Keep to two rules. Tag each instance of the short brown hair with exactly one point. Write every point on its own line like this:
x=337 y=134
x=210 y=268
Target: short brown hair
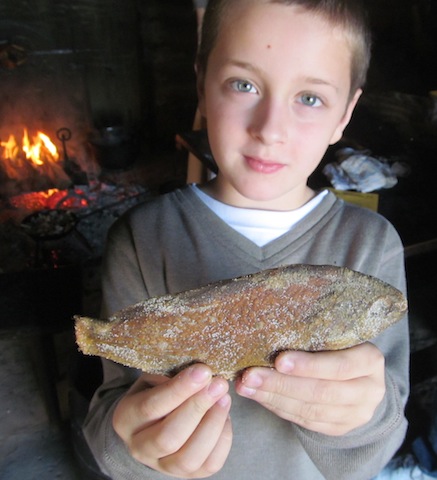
x=349 y=15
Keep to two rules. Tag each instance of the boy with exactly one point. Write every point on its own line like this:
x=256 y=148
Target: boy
x=278 y=81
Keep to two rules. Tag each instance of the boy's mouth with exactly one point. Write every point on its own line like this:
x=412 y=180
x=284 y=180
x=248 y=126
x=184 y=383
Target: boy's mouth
x=263 y=166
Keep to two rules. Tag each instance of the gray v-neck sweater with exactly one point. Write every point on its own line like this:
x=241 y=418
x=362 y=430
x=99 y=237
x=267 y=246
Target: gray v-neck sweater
x=174 y=243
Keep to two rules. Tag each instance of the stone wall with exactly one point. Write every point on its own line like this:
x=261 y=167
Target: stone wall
x=132 y=60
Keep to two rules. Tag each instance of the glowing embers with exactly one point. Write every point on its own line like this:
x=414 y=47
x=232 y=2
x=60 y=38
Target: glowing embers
x=74 y=198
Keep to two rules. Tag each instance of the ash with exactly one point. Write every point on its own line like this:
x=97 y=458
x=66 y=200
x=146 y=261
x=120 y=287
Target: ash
x=106 y=204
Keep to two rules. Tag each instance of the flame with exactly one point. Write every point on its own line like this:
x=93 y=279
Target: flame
x=41 y=147
x=11 y=147
x=12 y=162
x=37 y=150
x=34 y=163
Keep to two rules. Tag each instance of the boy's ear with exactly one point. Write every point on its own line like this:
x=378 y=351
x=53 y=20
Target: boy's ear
x=338 y=133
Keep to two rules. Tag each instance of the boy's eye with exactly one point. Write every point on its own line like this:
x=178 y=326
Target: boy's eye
x=310 y=100
x=243 y=86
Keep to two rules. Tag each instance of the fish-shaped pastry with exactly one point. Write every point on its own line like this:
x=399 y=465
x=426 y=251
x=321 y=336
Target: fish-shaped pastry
x=246 y=321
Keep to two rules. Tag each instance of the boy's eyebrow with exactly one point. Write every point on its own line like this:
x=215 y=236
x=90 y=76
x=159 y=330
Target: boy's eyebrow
x=244 y=65
x=320 y=81
x=255 y=69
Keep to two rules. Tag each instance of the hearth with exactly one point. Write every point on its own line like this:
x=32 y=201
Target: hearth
x=54 y=205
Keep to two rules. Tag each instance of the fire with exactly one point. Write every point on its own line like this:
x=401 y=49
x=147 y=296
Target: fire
x=31 y=163
x=11 y=147
x=37 y=150
x=12 y=161
x=50 y=199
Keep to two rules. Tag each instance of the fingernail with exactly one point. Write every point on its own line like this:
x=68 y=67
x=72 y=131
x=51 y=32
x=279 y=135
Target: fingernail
x=224 y=401
x=286 y=364
x=247 y=392
x=199 y=374
x=252 y=380
x=216 y=388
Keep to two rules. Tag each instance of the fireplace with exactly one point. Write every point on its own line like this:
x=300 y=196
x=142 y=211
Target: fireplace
x=69 y=128
x=92 y=95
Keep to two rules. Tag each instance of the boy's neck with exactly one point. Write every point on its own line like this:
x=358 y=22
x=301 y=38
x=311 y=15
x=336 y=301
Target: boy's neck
x=293 y=201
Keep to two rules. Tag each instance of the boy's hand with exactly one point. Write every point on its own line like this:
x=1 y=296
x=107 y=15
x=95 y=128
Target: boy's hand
x=178 y=426
x=327 y=392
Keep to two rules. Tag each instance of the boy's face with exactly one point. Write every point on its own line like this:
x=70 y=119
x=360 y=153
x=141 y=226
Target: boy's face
x=275 y=95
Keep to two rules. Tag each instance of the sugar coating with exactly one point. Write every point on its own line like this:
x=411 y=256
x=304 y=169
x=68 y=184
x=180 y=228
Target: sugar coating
x=243 y=322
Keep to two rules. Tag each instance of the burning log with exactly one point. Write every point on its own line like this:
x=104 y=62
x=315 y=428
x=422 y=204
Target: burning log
x=34 y=165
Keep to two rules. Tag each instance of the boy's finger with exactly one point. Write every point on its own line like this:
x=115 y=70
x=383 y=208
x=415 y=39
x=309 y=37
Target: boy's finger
x=355 y=362
x=208 y=446
x=143 y=405
x=146 y=381
x=164 y=398
x=166 y=437
x=278 y=390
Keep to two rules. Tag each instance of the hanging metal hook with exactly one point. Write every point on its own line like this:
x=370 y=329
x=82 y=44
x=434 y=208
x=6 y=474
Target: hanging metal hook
x=64 y=135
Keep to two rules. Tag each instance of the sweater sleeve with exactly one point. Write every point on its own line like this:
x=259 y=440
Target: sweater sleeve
x=110 y=452
x=367 y=449
x=363 y=452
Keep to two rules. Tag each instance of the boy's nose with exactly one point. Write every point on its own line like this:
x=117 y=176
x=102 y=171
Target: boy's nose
x=270 y=122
